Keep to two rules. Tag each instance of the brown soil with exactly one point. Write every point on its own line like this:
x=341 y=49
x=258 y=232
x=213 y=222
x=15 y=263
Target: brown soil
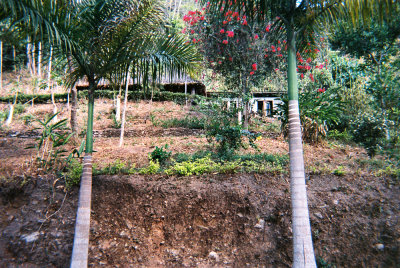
x=142 y=221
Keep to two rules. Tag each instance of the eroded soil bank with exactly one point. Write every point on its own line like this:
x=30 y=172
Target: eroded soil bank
x=240 y=220
x=218 y=220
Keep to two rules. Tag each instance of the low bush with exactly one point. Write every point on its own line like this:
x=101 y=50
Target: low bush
x=151 y=169
x=160 y=154
x=370 y=130
x=117 y=167
x=73 y=173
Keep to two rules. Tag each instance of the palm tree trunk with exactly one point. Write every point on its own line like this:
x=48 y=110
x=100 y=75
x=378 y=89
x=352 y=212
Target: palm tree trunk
x=49 y=67
x=89 y=132
x=121 y=137
x=11 y=112
x=303 y=251
x=15 y=59
x=74 y=104
x=29 y=56
x=39 y=63
x=33 y=57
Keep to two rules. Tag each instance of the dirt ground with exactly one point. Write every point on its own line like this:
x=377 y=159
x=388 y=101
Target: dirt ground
x=233 y=220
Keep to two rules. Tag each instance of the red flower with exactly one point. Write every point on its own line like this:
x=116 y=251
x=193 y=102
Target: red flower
x=183 y=30
x=265 y=56
x=308 y=60
x=280 y=55
x=312 y=77
x=192 y=31
x=219 y=62
x=276 y=69
x=225 y=42
x=202 y=18
x=302 y=76
x=222 y=31
x=224 y=22
x=244 y=22
x=194 y=40
x=230 y=33
x=268 y=28
x=251 y=73
x=230 y=59
x=254 y=66
x=321 y=90
x=279 y=49
x=235 y=14
x=273 y=47
x=256 y=36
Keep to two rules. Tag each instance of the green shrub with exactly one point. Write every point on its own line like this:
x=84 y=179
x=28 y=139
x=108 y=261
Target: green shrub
x=19 y=108
x=160 y=154
x=117 y=167
x=197 y=167
x=318 y=112
x=73 y=173
x=343 y=136
x=151 y=169
x=369 y=130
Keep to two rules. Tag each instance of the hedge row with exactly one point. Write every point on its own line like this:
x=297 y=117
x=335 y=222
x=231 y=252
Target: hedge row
x=179 y=98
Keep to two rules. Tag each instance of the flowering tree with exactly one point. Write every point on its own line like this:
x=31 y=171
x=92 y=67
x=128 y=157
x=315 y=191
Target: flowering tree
x=243 y=54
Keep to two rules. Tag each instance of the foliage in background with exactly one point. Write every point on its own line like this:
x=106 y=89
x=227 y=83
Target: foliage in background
x=222 y=127
x=369 y=130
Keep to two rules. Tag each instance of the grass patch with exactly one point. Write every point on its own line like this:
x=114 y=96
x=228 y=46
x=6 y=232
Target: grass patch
x=186 y=122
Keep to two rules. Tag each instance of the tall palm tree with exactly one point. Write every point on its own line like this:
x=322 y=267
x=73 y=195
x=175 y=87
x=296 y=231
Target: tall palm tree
x=293 y=18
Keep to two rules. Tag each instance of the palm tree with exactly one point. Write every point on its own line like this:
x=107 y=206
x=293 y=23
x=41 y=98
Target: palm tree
x=293 y=18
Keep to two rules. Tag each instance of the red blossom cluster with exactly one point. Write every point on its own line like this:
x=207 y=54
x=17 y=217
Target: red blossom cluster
x=193 y=17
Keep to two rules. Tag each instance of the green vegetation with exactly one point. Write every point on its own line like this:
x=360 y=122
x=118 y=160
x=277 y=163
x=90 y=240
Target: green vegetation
x=186 y=122
x=50 y=145
x=160 y=154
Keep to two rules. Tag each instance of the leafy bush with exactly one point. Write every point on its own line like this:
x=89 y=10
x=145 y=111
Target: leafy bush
x=117 y=167
x=222 y=127
x=151 y=169
x=160 y=154
x=369 y=130
x=19 y=108
x=196 y=165
x=319 y=110
x=73 y=173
